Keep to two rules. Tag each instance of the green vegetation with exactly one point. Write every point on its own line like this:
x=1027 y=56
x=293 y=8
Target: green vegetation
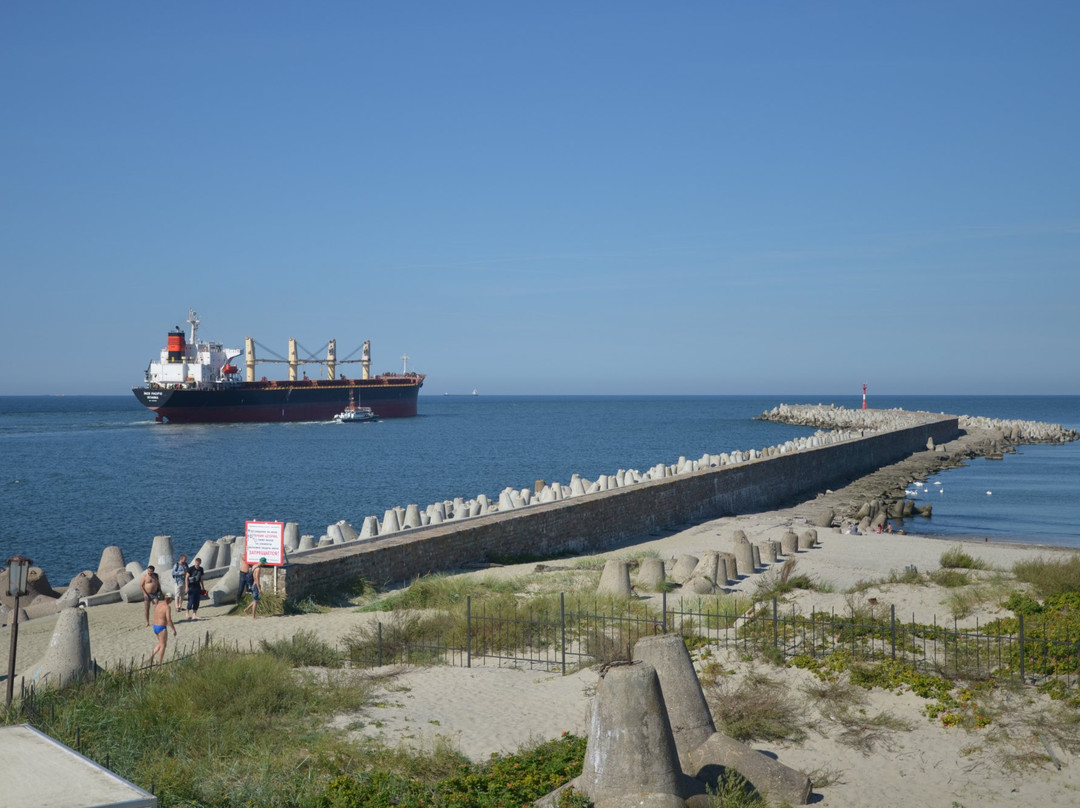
x=952 y=703
x=776 y=583
x=844 y=704
x=502 y=781
x=1050 y=578
x=909 y=575
x=304 y=649
x=209 y=730
x=224 y=729
x=950 y=577
x=759 y=708
x=955 y=558
x=445 y=592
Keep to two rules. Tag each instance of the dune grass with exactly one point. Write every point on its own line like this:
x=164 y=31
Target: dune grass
x=1049 y=577
x=757 y=708
x=226 y=729
x=210 y=729
x=955 y=558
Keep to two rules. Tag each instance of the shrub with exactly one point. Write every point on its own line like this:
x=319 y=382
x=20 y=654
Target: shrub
x=955 y=558
x=304 y=649
x=950 y=577
x=400 y=637
x=758 y=708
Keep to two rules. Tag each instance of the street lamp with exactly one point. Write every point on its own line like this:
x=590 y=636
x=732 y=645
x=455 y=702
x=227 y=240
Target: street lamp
x=18 y=576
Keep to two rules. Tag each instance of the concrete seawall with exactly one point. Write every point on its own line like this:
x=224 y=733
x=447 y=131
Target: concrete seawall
x=594 y=522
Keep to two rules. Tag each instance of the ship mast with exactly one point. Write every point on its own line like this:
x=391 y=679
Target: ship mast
x=194 y=320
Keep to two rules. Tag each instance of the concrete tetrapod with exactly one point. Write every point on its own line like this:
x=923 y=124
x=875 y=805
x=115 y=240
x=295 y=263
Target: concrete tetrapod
x=226 y=588
x=697 y=742
x=292 y=536
x=684 y=568
x=630 y=756
x=68 y=656
x=744 y=556
x=615 y=579
x=208 y=553
x=650 y=575
x=161 y=555
x=112 y=559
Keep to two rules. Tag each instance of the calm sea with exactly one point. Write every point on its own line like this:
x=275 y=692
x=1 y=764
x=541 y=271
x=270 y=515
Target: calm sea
x=79 y=473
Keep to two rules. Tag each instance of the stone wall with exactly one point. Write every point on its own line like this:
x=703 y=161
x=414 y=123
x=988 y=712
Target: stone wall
x=594 y=522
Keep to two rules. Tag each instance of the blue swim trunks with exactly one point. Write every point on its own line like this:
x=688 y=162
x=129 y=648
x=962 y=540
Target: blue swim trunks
x=158 y=629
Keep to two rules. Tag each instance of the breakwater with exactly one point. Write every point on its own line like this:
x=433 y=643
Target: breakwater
x=599 y=517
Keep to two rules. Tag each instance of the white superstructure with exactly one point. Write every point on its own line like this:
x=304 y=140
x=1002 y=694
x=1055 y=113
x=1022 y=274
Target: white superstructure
x=191 y=364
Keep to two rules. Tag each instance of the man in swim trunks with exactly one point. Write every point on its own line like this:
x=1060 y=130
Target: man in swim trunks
x=256 y=587
x=151 y=591
x=162 y=623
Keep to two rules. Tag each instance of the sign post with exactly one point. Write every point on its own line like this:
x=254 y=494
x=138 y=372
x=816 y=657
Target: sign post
x=265 y=540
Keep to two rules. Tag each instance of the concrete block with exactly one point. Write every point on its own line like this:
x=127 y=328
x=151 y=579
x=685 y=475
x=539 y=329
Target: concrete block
x=615 y=579
x=161 y=555
x=630 y=751
x=650 y=575
x=684 y=568
x=67 y=658
x=112 y=559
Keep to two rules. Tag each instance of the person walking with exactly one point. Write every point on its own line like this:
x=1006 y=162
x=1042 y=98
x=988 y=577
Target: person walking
x=179 y=576
x=151 y=589
x=194 y=588
x=245 y=578
x=256 y=587
x=162 y=623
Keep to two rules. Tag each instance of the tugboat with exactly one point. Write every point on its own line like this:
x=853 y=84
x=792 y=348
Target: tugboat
x=355 y=415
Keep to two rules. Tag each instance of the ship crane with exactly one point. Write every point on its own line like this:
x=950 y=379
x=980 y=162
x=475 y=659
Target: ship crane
x=294 y=361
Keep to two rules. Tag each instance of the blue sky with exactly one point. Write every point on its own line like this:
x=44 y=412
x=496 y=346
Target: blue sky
x=631 y=197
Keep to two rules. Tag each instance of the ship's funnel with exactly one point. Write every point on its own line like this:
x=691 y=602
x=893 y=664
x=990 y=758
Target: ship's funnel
x=176 y=346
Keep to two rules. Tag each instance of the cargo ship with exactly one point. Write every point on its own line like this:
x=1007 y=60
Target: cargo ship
x=198 y=383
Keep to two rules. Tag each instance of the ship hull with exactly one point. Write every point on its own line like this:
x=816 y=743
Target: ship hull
x=269 y=402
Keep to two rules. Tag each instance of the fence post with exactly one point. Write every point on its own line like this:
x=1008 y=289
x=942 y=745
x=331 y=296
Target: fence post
x=562 y=630
x=1023 y=649
x=892 y=628
x=775 y=634
x=468 y=631
x=663 y=612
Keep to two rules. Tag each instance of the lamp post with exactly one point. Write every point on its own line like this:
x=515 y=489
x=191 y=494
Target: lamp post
x=18 y=575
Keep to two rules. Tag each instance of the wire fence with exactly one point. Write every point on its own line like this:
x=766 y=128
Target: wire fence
x=568 y=634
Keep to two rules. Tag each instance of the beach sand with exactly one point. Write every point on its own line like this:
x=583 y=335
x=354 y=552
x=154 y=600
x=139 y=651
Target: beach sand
x=490 y=709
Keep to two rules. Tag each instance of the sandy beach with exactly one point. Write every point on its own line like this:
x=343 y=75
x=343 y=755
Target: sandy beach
x=489 y=709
